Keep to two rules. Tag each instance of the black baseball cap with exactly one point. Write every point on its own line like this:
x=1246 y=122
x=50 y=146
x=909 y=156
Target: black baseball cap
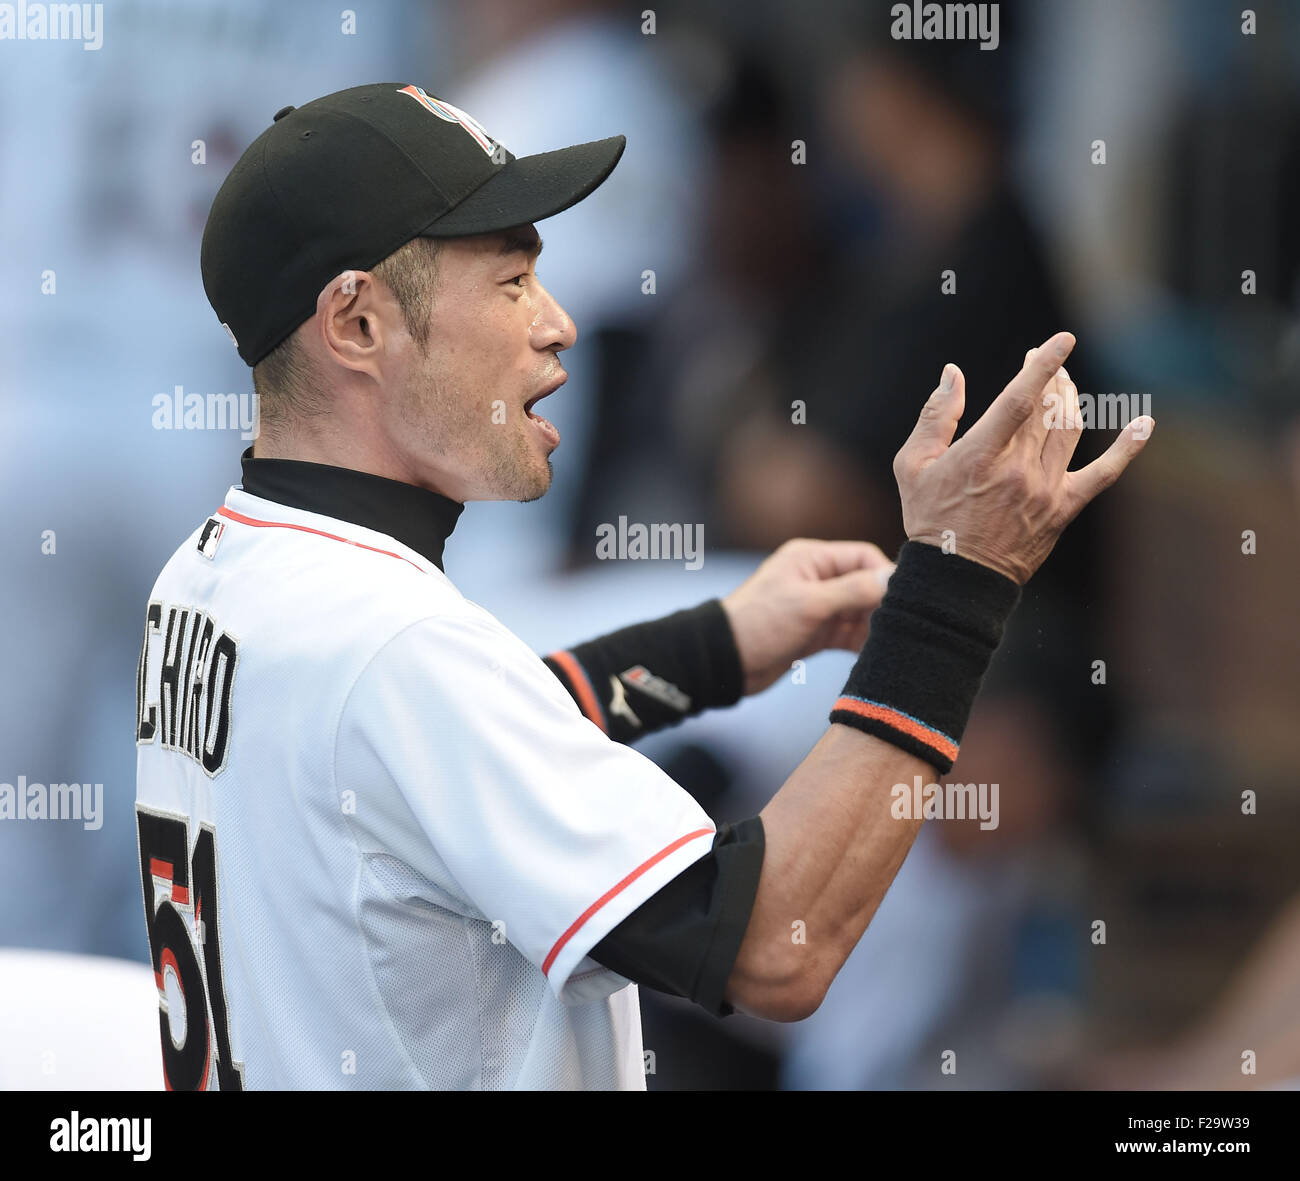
x=343 y=181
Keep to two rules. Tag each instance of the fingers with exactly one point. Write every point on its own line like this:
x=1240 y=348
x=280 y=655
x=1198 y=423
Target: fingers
x=1020 y=404
x=860 y=590
x=937 y=424
x=1064 y=424
x=833 y=558
x=851 y=632
x=1102 y=472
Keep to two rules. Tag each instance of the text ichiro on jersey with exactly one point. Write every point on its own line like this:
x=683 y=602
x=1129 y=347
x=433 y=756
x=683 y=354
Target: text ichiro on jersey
x=182 y=697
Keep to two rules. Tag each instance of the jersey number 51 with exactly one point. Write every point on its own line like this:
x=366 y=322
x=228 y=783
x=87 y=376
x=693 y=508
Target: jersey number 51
x=180 y=905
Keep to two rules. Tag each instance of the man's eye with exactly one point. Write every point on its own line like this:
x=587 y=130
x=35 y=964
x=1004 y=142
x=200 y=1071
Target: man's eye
x=518 y=280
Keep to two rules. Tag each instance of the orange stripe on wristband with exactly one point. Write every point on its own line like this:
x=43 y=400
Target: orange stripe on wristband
x=897 y=720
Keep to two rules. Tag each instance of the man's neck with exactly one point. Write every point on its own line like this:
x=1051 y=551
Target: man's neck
x=357 y=451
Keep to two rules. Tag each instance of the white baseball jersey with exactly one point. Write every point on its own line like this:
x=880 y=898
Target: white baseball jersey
x=378 y=839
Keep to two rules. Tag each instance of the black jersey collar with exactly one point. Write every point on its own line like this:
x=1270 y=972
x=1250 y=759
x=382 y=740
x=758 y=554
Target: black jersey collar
x=417 y=517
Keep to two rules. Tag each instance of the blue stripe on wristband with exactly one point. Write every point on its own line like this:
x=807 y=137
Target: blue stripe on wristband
x=897 y=720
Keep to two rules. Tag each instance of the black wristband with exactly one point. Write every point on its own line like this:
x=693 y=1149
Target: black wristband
x=930 y=644
x=643 y=678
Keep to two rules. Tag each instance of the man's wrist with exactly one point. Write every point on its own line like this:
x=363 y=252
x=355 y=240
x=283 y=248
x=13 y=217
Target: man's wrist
x=739 y=618
x=931 y=642
x=641 y=678
x=1000 y=566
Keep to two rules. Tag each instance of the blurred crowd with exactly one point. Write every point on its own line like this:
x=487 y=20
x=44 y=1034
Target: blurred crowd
x=810 y=219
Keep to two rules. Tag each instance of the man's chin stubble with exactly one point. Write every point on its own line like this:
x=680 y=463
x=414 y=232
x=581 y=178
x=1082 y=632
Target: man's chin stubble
x=545 y=488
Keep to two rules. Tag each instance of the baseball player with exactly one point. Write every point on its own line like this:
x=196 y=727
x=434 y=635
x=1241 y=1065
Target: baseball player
x=382 y=843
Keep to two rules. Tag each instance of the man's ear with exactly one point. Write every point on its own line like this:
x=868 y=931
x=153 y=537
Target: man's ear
x=354 y=321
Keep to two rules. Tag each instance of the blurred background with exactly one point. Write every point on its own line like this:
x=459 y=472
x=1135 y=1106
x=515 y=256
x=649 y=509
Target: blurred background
x=810 y=219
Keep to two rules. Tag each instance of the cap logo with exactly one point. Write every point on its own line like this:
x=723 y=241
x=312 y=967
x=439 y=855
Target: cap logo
x=450 y=114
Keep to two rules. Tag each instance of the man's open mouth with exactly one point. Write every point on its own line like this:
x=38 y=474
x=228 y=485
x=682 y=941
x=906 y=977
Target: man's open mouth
x=550 y=389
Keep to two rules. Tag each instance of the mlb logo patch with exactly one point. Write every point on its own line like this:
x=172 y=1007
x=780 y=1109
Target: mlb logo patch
x=210 y=538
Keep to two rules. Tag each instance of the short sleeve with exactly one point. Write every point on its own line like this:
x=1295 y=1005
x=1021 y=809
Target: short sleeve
x=524 y=809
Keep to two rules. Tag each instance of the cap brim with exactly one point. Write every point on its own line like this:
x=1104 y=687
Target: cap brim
x=530 y=188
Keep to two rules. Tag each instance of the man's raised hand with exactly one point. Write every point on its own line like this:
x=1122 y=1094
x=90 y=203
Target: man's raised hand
x=1001 y=495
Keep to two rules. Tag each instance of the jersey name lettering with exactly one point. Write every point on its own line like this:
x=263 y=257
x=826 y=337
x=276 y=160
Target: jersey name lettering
x=183 y=695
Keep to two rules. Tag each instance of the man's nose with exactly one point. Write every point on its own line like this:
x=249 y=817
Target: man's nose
x=553 y=329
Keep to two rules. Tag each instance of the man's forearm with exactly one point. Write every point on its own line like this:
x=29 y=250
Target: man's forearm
x=833 y=842
x=832 y=849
